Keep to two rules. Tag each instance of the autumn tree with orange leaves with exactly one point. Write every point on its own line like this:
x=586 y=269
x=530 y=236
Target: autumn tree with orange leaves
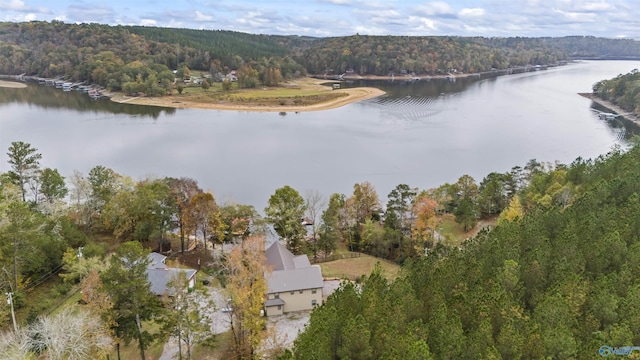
x=424 y=228
x=204 y=218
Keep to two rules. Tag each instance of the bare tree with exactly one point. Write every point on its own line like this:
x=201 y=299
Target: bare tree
x=315 y=203
x=70 y=335
x=79 y=196
x=15 y=346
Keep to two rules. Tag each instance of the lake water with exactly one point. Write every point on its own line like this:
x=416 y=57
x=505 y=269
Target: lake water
x=422 y=133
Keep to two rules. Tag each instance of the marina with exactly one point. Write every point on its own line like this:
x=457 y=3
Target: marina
x=93 y=91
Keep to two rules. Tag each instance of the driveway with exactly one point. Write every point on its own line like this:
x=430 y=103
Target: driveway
x=285 y=327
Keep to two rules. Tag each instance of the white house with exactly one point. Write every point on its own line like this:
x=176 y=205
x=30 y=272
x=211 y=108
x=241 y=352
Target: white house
x=294 y=284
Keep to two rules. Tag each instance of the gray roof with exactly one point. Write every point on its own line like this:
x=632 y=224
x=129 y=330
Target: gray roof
x=156 y=261
x=159 y=278
x=291 y=273
x=159 y=274
x=293 y=280
x=301 y=261
x=279 y=257
x=274 y=302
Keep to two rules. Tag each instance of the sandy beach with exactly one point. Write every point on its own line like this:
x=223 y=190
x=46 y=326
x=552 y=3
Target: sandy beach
x=12 y=84
x=182 y=102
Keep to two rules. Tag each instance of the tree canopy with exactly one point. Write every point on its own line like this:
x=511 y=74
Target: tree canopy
x=554 y=279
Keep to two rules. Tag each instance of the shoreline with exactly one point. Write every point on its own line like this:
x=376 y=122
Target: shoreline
x=183 y=102
x=440 y=76
x=613 y=107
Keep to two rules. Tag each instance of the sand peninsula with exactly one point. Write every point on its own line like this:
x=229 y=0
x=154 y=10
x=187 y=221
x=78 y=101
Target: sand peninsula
x=261 y=99
x=12 y=84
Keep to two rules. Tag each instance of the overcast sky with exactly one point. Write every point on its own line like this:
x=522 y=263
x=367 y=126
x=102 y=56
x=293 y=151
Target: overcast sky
x=608 y=18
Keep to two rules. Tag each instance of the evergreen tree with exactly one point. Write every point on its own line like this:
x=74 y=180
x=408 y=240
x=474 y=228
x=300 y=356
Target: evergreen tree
x=126 y=283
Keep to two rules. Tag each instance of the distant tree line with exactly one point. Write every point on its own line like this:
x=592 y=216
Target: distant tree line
x=137 y=59
x=119 y=59
x=380 y=55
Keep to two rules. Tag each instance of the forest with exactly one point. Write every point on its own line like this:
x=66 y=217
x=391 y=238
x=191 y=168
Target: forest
x=558 y=281
x=143 y=59
x=623 y=90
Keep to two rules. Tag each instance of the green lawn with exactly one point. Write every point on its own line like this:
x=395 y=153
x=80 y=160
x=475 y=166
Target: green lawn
x=131 y=351
x=306 y=94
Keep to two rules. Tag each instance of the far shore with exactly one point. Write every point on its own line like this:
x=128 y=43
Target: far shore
x=12 y=84
x=613 y=107
x=182 y=101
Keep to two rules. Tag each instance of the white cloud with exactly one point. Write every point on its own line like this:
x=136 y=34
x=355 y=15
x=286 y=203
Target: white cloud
x=474 y=12
x=256 y=22
x=148 y=22
x=175 y=24
x=28 y=17
x=423 y=23
x=577 y=16
x=435 y=8
x=203 y=17
x=597 y=6
x=13 y=5
x=336 y=2
x=343 y=17
x=369 y=30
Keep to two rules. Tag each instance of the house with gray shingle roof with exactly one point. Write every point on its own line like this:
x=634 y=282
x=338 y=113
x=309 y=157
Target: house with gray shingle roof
x=294 y=284
x=159 y=274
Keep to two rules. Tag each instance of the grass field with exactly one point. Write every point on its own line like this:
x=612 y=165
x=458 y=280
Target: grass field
x=262 y=96
x=352 y=268
x=132 y=351
x=455 y=234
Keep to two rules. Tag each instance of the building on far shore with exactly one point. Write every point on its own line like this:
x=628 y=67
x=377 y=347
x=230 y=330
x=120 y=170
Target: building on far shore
x=294 y=284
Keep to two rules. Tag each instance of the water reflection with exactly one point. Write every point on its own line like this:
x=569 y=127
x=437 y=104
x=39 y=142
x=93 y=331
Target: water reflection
x=418 y=88
x=51 y=98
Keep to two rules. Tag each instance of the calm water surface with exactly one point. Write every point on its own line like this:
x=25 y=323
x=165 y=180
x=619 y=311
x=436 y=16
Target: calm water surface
x=422 y=133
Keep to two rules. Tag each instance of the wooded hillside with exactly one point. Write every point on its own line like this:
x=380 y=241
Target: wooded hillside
x=623 y=90
x=104 y=54
x=559 y=282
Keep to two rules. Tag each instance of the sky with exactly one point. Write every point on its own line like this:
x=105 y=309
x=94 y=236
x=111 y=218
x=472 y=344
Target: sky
x=324 y=18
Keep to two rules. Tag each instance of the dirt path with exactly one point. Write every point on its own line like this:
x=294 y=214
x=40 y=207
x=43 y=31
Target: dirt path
x=490 y=222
